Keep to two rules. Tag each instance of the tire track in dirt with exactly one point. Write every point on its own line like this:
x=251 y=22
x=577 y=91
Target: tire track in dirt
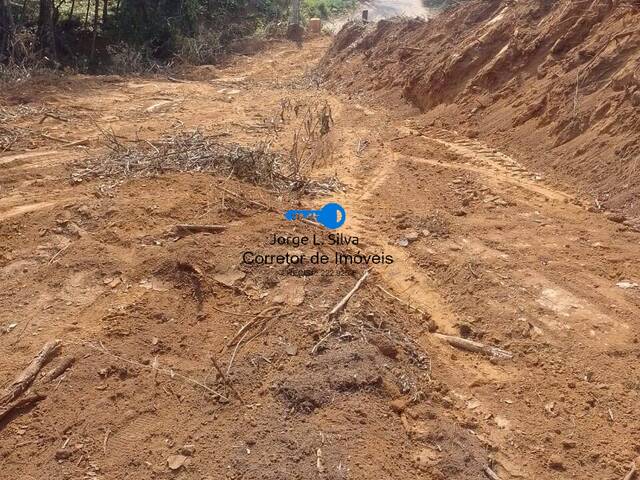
x=410 y=282
x=403 y=277
x=482 y=159
x=27 y=208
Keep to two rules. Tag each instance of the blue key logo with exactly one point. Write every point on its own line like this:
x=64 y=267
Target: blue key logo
x=331 y=216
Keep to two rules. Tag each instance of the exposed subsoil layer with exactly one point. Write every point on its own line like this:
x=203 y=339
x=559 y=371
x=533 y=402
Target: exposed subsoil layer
x=483 y=249
x=555 y=82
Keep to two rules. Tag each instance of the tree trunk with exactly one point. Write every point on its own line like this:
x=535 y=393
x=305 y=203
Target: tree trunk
x=46 y=33
x=86 y=16
x=105 y=13
x=6 y=30
x=96 y=16
x=73 y=6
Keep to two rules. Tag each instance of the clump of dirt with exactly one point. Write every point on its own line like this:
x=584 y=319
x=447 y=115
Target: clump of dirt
x=556 y=82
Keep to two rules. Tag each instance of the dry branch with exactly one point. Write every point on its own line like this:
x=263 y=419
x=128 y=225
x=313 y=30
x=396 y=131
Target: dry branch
x=188 y=229
x=20 y=403
x=490 y=473
x=59 y=370
x=475 y=347
x=342 y=303
x=23 y=381
x=399 y=300
x=193 y=151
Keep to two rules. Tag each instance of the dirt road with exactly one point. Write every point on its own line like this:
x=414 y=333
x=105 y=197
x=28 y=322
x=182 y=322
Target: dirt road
x=381 y=9
x=483 y=249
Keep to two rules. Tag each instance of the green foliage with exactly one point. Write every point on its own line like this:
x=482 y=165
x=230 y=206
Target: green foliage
x=326 y=8
x=131 y=33
x=166 y=25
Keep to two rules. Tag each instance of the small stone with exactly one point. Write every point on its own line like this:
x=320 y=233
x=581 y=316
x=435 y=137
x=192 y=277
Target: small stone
x=556 y=463
x=566 y=443
x=291 y=350
x=175 y=462
x=84 y=210
x=188 y=450
x=460 y=213
x=412 y=236
x=615 y=217
x=63 y=453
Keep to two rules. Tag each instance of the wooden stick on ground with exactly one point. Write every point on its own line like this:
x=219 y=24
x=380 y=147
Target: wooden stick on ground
x=20 y=403
x=634 y=470
x=23 y=381
x=475 y=347
x=342 y=303
x=402 y=301
x=490 y=473
x=59 y=370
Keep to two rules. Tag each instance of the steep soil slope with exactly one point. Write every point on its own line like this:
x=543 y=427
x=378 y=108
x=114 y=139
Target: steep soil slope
x=557 y=82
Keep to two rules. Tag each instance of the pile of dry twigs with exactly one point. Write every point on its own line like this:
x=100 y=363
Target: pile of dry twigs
x=193 y=151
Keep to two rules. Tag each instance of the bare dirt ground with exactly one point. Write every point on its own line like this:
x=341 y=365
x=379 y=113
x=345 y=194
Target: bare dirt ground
x=483 y=250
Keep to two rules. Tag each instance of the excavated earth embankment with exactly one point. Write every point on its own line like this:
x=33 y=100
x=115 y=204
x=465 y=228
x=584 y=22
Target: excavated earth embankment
x=555 y=82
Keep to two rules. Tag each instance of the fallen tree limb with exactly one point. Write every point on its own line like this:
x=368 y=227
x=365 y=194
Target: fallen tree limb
x=20 y=403
x=475 y=347
x=23 y=381
x=342 y=303
x=59 y=370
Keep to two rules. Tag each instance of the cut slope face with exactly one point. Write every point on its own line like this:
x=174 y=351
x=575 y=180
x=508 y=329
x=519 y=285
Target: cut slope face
x=556 y=79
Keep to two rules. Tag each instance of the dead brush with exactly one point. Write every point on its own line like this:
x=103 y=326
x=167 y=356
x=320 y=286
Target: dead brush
x=311 y=143
x=9 y=137
x=193 y=151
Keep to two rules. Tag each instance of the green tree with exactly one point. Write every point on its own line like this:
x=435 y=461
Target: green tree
x=6 y=29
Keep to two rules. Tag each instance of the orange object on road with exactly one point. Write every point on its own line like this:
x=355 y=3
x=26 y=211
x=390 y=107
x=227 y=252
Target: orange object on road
x=315 y=25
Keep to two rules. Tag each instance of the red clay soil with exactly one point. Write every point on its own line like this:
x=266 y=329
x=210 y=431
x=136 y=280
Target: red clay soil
x=556 y=82
x=191 y=364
